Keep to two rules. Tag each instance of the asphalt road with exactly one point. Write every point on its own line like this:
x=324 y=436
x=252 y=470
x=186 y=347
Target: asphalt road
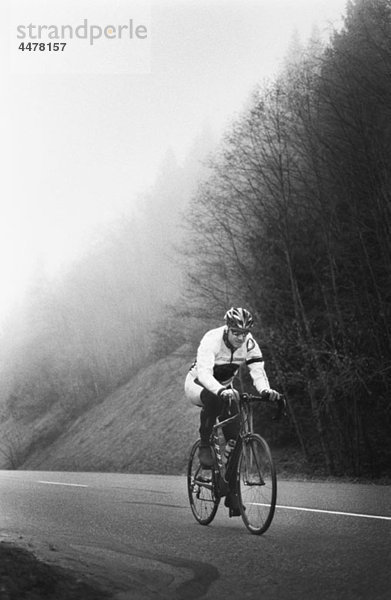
x=136 y=533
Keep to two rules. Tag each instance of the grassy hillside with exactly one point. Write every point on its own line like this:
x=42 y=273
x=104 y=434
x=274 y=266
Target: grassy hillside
x=145 y=426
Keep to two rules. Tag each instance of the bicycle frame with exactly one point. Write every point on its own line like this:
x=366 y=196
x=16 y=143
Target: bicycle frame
x=245 y=415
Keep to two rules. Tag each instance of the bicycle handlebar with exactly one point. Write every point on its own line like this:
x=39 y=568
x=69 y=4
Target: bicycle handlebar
x=264 y=397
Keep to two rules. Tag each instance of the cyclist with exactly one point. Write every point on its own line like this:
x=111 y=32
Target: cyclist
x=208 y=384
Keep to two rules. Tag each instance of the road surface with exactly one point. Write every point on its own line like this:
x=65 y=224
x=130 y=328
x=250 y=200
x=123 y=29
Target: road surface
x=136 y=534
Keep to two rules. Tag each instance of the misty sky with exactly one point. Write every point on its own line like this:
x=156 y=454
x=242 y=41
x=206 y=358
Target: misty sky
x=78 y=149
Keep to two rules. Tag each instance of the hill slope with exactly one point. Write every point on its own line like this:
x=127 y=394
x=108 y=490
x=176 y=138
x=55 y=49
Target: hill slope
x=145 y=426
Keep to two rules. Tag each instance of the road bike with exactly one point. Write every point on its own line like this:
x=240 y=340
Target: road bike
x=249 y=473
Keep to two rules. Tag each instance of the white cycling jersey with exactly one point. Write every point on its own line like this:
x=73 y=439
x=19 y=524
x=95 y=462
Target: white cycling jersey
x=218 y=362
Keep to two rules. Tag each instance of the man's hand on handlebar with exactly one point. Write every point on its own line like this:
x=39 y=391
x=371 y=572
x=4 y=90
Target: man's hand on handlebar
x=272 y=395
x=228 y=395
x=277 y=399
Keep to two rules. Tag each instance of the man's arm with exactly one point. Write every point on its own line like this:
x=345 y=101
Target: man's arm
x=256 y=367
x=206 y=355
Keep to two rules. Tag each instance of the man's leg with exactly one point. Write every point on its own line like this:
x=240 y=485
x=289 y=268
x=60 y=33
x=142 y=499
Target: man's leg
x=211 y=409
x=231 y=432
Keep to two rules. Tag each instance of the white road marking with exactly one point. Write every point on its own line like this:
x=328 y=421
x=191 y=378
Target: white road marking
x=334 y=512
x=61 y=483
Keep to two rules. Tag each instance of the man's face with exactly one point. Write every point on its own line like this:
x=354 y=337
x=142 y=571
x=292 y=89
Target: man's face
x=237 y=337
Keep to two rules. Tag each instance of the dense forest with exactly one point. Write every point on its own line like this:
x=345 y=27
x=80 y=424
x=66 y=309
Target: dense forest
x=291 y=219
x=294 y=223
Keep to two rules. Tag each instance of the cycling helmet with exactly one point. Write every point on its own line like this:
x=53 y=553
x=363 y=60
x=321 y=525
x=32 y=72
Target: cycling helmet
x=239 y=318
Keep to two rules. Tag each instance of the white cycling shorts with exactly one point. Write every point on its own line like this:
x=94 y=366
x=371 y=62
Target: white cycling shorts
x=193 y=391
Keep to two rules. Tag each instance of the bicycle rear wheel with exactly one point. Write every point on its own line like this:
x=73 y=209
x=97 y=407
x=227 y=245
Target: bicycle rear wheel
x=202 y=488
x=256 y=484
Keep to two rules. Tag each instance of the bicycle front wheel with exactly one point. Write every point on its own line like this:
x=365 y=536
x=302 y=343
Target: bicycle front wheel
x=202 y=488
x=256 y=484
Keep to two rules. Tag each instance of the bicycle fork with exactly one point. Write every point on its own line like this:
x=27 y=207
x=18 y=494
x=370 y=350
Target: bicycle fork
x=252 y=468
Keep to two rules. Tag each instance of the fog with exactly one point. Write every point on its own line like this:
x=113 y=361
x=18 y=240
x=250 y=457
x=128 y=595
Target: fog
x=80 y=150
x=98 y=172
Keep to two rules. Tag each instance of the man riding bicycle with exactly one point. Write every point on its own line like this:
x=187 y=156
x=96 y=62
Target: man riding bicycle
x=208 y=384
